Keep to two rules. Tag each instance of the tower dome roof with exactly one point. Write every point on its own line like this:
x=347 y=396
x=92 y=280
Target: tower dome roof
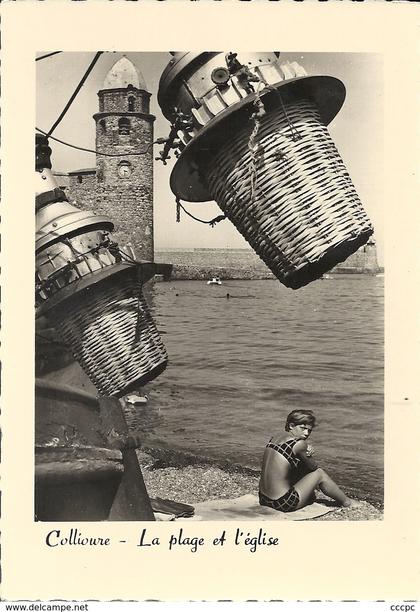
x=122 y=74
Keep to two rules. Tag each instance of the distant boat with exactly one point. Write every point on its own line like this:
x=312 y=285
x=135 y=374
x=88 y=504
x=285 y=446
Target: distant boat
x=214 y=281
x=136 y=399
x=326 y=276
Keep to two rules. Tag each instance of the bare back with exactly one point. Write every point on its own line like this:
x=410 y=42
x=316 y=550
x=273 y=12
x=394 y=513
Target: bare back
x=279 y=463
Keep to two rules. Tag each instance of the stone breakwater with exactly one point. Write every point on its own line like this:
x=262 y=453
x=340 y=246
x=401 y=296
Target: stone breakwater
x=203 y=264
x=207 y=272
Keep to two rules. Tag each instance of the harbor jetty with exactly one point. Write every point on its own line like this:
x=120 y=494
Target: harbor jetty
x=244 y=264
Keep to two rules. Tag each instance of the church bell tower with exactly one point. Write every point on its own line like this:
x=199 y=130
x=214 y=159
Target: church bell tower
x=124 y=130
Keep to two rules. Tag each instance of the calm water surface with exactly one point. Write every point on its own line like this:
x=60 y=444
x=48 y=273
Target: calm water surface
x=239 y=365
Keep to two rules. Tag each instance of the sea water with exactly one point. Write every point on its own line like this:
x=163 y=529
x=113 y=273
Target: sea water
x=244 y=354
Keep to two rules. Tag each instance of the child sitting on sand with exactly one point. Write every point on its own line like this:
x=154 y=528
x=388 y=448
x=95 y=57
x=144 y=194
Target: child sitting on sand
x=289 y=475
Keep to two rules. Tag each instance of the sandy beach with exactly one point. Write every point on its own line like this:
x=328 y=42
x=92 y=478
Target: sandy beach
x=202 y=482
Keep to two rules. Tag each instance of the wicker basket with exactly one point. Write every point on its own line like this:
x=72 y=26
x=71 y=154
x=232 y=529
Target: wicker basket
x=112 y=335
x=286 y=189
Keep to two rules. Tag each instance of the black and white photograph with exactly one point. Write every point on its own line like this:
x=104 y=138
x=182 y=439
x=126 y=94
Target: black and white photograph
x=209 y=286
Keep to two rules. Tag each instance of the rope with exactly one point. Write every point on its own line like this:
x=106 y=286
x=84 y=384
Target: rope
x=212 y=222
x=121 y=255
x=294 y=132
x=76 y=91
x=253 y=146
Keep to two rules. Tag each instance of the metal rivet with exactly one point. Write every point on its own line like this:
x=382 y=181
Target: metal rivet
x=54 y=224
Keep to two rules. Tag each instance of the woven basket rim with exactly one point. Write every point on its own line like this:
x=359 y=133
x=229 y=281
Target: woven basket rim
x=327 y=92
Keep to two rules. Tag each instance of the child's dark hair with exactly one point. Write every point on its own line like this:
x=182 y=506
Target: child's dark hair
x=299 y=417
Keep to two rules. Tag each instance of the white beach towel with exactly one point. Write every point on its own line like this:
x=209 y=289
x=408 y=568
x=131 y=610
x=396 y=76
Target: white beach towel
x=247 y=508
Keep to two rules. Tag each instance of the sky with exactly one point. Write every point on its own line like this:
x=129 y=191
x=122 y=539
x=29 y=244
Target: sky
x=357 y=131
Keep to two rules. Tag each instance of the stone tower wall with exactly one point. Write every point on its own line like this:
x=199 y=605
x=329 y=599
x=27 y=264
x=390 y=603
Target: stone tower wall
x=117 y=100
x=132 y=216
x=128 y=200
x=82 y=194
x=365 y=259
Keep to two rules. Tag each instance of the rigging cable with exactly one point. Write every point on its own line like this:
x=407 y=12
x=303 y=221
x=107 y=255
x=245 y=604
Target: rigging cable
x=76 y=91
x=41 y=57
x=212 y=222
x=67 y=144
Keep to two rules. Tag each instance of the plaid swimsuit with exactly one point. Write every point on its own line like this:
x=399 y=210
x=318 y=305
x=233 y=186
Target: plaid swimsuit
x=290 y=500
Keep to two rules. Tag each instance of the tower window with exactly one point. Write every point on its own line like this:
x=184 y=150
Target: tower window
x=102 y=126
x=131 y=101
x=124 y=125
x=79 y=178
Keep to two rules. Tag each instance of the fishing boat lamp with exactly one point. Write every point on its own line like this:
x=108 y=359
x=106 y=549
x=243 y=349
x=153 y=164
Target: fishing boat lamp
x=90 y=290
